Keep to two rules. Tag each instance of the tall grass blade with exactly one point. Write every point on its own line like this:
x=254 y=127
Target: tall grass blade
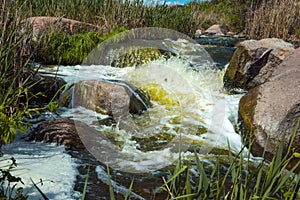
x=129 y=190
x=111 y=189
x=203 y=180
x=85 y=183
x=177 y=173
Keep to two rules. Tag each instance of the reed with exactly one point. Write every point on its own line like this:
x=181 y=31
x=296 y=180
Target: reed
x=276 y=18
x=14 y=58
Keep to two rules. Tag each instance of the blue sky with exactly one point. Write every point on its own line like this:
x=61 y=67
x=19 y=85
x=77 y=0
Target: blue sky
x=182 y=2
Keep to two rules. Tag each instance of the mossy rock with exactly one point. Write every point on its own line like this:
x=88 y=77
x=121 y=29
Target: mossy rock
x=137 y=56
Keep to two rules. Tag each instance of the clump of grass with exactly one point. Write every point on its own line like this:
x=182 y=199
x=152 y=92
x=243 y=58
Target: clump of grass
x=226 y=12
x=242 y=179
x=14 y=60
x=112 y=14
x=259 y=19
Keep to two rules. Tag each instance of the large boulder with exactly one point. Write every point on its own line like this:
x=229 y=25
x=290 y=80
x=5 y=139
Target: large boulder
x=114 y=98
x=254 y=61
x=217 y=29
x=46 y=24
x=273 y=108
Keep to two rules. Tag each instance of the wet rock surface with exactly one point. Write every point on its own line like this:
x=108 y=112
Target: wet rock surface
x=60 y=131
x=273 y=108
x=115 y=98
x=254 y=62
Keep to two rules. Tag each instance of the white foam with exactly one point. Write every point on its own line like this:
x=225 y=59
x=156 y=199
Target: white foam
x=42 y=161
x=200 y=93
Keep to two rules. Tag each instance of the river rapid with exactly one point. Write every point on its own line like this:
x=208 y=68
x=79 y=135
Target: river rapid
x=190 y=111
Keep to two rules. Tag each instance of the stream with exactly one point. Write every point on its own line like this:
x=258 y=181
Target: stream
x=192 y=112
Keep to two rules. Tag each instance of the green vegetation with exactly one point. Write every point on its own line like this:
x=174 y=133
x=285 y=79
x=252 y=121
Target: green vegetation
x=297 y=32
x=8 y=184
x=269 y=18
x=13 y=63
x=235 y=177
x=67 y=49
x=257 y=19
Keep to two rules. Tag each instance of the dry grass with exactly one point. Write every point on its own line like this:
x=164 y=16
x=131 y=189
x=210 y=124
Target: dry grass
x=273 y=18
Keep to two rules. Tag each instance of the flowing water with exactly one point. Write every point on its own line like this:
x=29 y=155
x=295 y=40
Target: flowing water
x=189 y=109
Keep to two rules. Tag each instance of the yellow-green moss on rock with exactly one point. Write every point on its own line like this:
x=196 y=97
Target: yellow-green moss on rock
x=136 y=56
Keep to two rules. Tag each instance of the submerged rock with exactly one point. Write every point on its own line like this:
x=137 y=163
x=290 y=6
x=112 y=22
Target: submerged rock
x=254 y=61
x=60 y=131
x=114 y=98
x=273 y=108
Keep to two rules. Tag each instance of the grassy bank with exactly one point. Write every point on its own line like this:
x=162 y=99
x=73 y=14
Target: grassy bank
x=14 y=60
x=258 y=19
x=253 y=18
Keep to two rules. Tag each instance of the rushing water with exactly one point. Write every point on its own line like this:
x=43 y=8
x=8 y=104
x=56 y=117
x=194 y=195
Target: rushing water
x=189 y=107
x=47 y=162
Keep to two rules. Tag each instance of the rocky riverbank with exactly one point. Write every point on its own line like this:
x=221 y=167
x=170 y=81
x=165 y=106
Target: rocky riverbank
x=268 y=70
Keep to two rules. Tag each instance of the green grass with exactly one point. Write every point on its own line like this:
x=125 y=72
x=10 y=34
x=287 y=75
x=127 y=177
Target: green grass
x=13 y=65
x=234 y=177
x=243 y=179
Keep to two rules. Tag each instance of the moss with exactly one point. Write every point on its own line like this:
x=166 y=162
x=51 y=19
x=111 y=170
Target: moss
x=66 y=49
x=137 y=56
x=157 y=93
x=246 y=113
